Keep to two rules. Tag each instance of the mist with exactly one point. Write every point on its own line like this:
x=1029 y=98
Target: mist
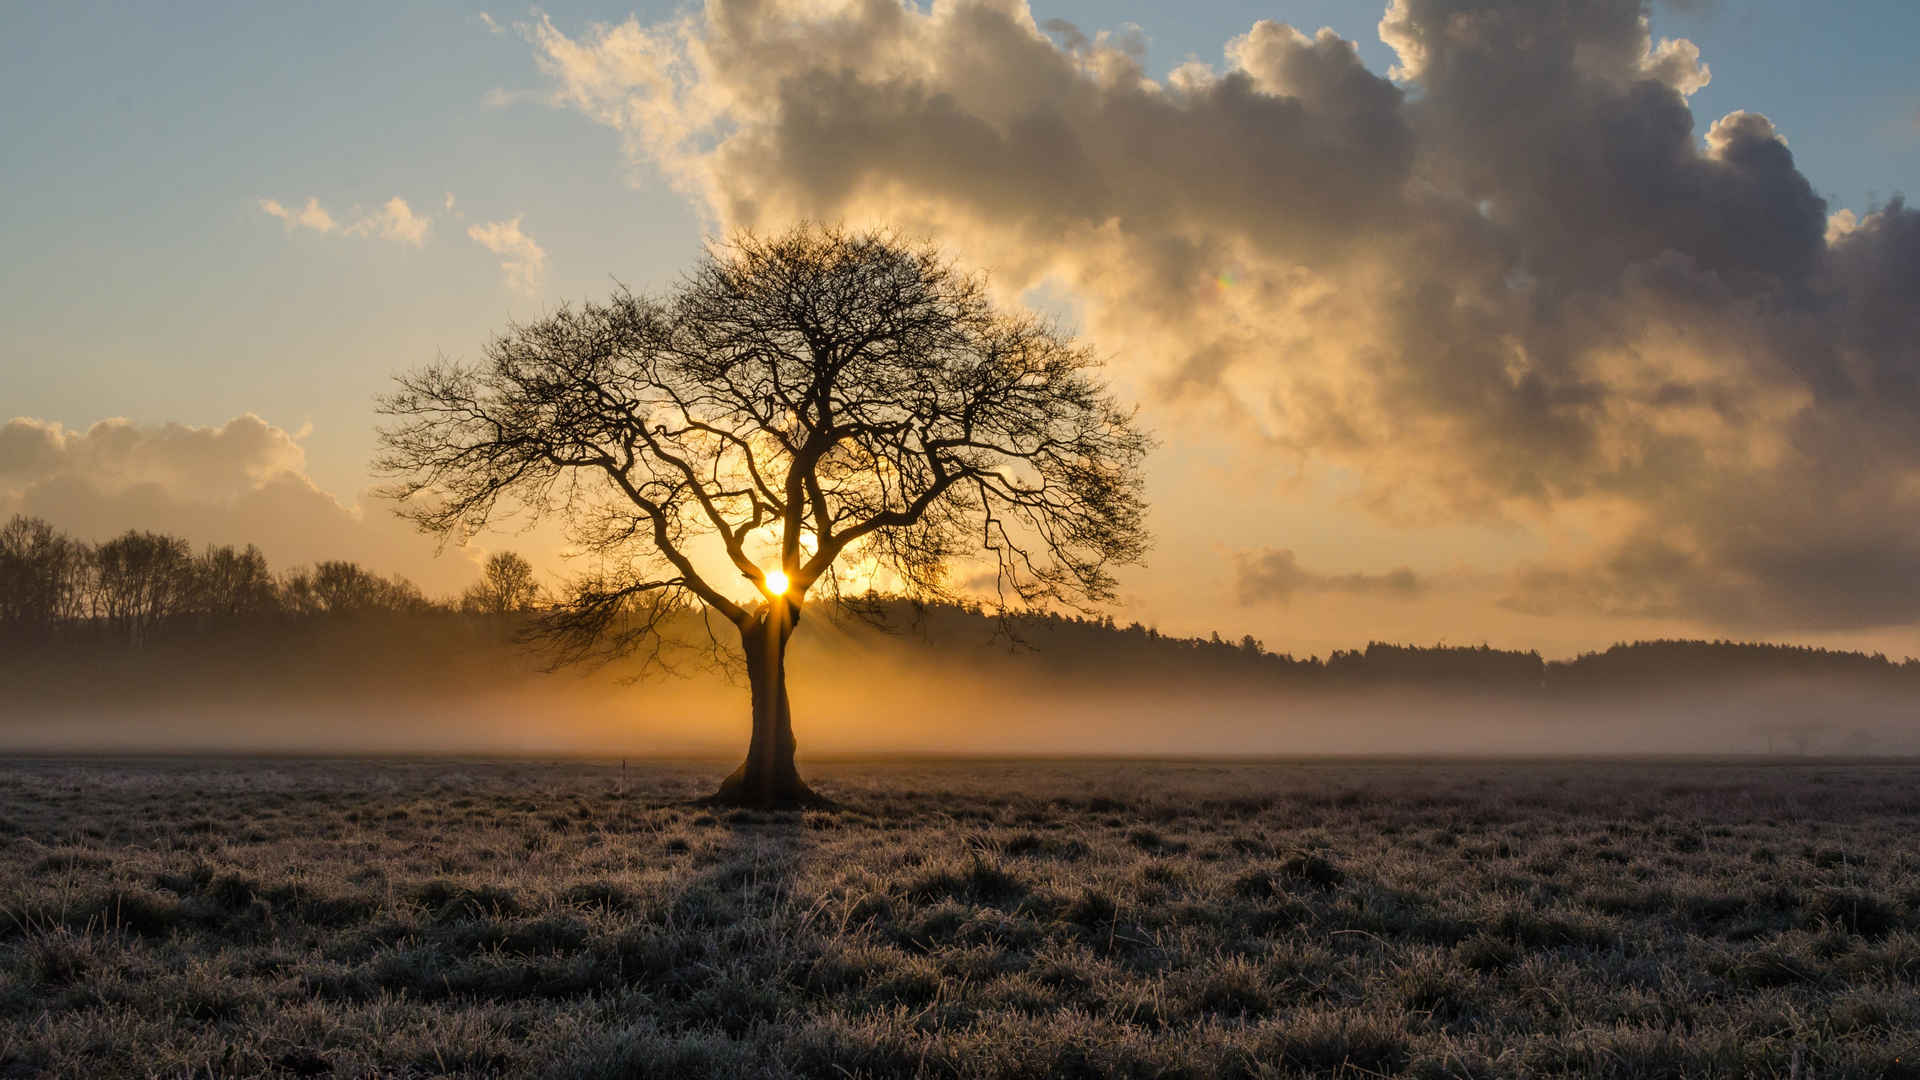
x=951 y=685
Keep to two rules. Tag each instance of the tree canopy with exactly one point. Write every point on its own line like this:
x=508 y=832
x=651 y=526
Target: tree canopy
x=822 y=391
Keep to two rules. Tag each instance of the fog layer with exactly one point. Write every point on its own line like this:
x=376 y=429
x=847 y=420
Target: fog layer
x=457 y=685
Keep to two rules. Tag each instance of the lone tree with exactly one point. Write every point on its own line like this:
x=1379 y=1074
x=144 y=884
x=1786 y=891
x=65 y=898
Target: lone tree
x=506 y=587
x=821 y=398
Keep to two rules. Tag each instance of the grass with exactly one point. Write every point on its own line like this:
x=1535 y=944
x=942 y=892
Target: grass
x=243 y=917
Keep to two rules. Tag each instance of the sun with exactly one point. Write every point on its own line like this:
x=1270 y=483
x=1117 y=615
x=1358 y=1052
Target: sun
x=777 y=582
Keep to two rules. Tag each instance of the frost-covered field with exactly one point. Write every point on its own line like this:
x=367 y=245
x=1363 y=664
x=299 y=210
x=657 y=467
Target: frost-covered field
x=240 y=917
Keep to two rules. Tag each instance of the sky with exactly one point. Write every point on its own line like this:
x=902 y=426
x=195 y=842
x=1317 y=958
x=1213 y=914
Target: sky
x=1541 y=325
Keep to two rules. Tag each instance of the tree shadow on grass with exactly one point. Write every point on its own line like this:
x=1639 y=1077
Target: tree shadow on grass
x=718 y=958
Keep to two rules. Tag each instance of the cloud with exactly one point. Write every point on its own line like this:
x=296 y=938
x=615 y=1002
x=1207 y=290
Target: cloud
x=522 y=260
x=242 y=482
x=115 y=455
x=1273 y=576
x=1518 y=289
x=395 y=220
x=1070 y=37
x=1676 y=62
x=311 y=216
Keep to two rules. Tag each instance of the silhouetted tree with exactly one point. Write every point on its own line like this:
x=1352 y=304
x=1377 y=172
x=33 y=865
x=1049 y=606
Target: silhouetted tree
x=296 y=593
x=839 y=394
x=141 y=580
x=231 y=584
x=506 y=586
x=344 y=588
x=44 y=576
x=341 y=587
x=402 y=597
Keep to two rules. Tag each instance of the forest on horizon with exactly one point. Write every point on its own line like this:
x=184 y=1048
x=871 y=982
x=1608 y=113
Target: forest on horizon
x=64 y=595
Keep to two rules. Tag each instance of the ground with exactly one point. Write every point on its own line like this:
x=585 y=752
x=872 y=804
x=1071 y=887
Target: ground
x=209 y=917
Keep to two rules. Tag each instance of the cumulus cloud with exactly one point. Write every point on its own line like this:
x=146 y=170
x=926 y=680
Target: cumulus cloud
x=115 y=455
x=1676 y=62
x=242 y=482
x=311 y=216
x=1520 y=287
x=1274 y=575
x=522 y=260
x=395 y=220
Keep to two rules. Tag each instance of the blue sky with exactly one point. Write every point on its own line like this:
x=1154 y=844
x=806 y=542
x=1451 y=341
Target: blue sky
x=142 y=279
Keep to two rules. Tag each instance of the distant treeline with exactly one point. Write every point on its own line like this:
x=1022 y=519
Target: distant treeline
x=142 y=584
x=1624 y=666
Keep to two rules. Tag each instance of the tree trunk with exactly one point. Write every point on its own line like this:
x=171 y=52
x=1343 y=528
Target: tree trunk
x=768 y=778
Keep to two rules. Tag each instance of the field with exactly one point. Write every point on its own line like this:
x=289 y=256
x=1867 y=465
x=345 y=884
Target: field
x=248 y=916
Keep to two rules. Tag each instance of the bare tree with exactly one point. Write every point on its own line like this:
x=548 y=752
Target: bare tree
x=233 y=584
x=44 y=576
x=850 y=401
x=506 y=587
x=143 y=579
x=342 y=587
